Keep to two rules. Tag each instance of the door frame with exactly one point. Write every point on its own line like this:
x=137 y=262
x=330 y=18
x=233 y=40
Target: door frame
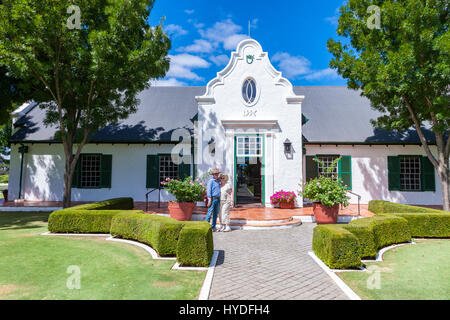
x=263 y=165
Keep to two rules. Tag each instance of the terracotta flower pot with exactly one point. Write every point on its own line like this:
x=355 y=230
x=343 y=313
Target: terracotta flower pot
x=5 y=195
x=324 y=214
x=287 y=205
x=181 y=211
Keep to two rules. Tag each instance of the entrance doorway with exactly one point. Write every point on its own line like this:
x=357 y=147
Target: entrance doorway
x=249 y=170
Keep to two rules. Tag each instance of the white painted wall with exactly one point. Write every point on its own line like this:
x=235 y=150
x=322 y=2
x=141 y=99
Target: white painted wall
x=44 y=171
x=223 y=114
x=370 y=172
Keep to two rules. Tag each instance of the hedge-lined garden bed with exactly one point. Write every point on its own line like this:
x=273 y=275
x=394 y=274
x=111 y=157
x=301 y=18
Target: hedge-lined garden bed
x=343 y=246
x=191 y=242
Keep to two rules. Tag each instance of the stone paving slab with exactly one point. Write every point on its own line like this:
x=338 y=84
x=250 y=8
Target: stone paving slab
x=270 y=265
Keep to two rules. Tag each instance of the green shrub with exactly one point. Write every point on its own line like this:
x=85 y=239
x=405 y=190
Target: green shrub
x=378 y=232
x=111 y=204
x=380 y=206
x=337 y=247
x=427 y=225
x=159 y=232
x=195 y=245
x=82 y=221
x=88 y=218
x=423 y=222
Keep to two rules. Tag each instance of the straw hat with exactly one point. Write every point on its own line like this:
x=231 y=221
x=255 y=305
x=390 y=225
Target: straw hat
x=215 y=171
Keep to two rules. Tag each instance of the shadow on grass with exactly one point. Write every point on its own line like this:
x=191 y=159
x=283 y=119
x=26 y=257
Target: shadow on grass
x=22 y=220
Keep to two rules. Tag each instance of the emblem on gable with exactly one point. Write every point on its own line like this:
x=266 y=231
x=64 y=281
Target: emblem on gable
x=250 y=58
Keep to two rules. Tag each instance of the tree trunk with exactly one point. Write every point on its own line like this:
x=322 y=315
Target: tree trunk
x=68 y=175
x=445 y=183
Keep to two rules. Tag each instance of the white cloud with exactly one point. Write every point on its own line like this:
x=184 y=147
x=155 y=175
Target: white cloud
x=175 y=30
x=231 y=42
x=200 y=45
x=334 y=19
x=171 y=82
x=187 y=11
x=328 y=74
x=295 y=67
x=220 y=60
x=292 y=66
x=224 y=32
x=181 y=65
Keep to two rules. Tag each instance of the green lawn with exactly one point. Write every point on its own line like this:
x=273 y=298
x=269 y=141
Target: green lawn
x=2 y=188
x=4 y=178
x=35 y=267
x=410 y=272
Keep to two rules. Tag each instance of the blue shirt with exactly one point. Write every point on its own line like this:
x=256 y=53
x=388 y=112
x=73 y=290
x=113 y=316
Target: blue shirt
x=213 y=188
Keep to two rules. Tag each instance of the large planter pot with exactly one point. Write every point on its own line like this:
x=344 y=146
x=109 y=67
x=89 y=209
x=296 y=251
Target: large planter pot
x=287 y=205
x=181 y=211
x=324 y=214
x=5 y=195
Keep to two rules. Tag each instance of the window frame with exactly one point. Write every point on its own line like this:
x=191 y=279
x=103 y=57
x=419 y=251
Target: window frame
x=160 y=155
x=400 y=157
x=81 y=171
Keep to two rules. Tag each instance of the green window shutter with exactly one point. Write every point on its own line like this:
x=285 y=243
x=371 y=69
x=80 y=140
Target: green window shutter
x=311 y=168
x=428 y=183
x=184 y=170
x=106 y=171
x=77 y=174
x=345 y=171
x=393 y=173
x=152 y=171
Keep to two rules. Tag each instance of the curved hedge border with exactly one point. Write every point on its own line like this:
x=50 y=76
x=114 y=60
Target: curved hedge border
x=88 y=218
x=393 y=223
x=423 y=222
x=337 y=247
x=191 y=242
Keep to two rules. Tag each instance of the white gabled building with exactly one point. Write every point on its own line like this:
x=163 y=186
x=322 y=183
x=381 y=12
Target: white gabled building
x=250 y=122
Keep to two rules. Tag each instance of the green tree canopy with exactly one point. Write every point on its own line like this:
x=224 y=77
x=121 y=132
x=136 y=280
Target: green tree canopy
x=85 y=76
x=402 y=65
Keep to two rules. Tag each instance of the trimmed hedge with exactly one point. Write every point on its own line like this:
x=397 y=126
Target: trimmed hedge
x=159 y=232
x=195 y=245
x=423 y=222
x=378 y=232
x=192 y=242
x=111 y=204
x=380 y=206
x=337 y=247
x=88 y=218
x=82 y=221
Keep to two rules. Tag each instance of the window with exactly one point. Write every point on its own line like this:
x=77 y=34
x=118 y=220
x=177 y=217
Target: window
x=93 y=171
x=325 y=163
x=90 y=171
x=410 y=173
x=160 y=167
x=343 y=169
x=167 y=169
x=249 y=146
x=249 y=91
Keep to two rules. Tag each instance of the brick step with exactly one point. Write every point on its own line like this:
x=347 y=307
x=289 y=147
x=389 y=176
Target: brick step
x=248 y=226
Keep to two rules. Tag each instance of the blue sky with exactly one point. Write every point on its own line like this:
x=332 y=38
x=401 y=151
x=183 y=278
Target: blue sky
x=293 y=32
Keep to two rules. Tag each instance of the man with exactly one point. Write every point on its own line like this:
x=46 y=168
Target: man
x=213 y=195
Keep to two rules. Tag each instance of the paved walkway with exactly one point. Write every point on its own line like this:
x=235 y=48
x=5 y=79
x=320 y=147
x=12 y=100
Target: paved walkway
x=270 y=265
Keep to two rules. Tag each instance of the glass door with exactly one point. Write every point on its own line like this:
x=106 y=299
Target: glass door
x=249 y=170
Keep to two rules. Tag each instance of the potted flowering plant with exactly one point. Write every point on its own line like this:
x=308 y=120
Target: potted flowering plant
x=186 y=193
x=286 y=199
x=326 y=192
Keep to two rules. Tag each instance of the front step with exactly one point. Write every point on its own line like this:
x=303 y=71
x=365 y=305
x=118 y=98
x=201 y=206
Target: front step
x=263 y=225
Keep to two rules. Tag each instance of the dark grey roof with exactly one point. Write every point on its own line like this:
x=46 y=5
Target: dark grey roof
x=338 y=114
x=161 y=111
x=335 y=113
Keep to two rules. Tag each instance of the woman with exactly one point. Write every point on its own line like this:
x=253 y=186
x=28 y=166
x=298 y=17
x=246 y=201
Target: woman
x=225 y=203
